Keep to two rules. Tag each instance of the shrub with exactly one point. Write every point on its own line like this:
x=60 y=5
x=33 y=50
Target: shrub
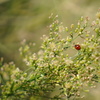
x=53 y=66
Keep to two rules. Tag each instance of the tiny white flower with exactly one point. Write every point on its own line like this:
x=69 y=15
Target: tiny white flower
x=68 y=61
x=61 y=28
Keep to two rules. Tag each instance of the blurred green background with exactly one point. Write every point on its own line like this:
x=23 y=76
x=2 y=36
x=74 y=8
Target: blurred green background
x=28 y=19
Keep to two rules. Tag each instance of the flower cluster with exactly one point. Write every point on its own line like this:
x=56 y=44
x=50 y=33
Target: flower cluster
x=53 y=66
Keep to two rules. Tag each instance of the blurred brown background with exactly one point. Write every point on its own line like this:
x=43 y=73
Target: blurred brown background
x=28 y=19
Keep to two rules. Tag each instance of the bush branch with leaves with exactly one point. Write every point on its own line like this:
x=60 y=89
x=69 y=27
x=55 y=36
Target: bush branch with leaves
x=53 y=67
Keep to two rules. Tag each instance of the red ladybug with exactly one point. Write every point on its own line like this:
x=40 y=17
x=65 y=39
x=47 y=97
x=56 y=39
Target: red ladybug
x=77 y=47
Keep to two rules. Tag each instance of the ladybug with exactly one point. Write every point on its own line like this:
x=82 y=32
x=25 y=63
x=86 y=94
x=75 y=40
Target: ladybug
x=77 y=47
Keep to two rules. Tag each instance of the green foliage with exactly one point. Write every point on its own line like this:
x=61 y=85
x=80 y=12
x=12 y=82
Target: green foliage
x=53 y=67
x=27 y=19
